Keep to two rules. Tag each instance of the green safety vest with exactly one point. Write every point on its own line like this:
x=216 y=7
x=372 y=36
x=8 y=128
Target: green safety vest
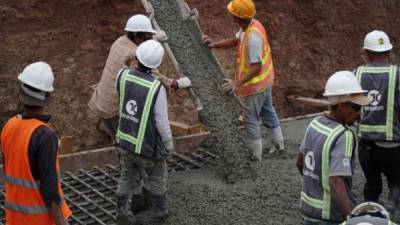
x=316 y=194
x=137 y=132
x=379 y=119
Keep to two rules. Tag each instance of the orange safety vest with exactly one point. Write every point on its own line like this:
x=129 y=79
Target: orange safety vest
x=23 y=201
x=266 y=76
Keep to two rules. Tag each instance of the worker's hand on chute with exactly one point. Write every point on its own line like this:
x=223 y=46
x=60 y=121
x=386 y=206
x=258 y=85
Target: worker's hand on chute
x=229 y=85
x=206 y=40
x=184 y=82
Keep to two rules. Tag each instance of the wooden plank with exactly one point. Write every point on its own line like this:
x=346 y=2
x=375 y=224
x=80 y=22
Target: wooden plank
x=65 y=144
x=196 y=128
x=88 y=159
x=179 y=129
x=307 y=101
x=188 y=143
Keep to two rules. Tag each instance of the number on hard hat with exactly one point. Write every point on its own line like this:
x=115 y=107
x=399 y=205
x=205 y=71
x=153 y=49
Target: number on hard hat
x=150 y=53
x=38 y=75
x=377 y=41
x=242 y=8
x=139 y=23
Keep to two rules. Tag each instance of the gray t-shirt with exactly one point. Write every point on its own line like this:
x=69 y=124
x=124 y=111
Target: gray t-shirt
x=255 y=45
x=340 y=163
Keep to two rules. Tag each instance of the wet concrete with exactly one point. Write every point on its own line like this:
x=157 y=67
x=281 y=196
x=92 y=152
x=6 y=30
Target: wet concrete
x=221 y=110
x=202 y=197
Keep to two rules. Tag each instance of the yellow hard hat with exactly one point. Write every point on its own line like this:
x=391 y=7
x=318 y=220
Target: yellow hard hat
x=242 y=8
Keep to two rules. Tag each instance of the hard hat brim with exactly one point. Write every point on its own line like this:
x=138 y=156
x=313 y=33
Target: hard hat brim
x=358 y=99
x=382 y=49
x=230 y=9
x=144 y=31
x=361 y=100
x=29 y=100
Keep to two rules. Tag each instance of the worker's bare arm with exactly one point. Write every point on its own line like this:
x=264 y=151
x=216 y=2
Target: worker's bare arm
x=55 y=212
x=339 y=194
x=254 y=70
x=300 y=162
x=232 y=85
x=225 y=43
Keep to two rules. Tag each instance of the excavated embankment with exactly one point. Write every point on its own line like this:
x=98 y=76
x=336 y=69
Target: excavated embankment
x=220 y=111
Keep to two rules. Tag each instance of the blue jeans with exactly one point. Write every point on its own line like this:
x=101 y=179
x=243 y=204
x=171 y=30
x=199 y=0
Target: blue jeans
x=261 y=111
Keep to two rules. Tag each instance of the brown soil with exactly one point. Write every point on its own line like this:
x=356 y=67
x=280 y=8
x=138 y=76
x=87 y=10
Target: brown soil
x=310 y=40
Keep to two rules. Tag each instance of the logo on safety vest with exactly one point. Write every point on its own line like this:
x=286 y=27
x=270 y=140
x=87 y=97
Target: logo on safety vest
x=376 y=97
x=346 y=162
x=310 y=160
x=131 y=107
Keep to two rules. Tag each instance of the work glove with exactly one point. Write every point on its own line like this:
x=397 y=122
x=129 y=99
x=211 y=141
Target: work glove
x=184 y=82
x=161 y=36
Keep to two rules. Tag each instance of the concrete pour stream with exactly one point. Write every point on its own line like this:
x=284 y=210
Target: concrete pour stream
x=220 y=111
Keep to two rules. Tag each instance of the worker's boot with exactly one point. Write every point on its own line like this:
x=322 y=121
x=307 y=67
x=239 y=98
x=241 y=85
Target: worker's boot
x=123 y=215
x=140 y=202
x=159 y=203
x=255 y=149
x=277 y=140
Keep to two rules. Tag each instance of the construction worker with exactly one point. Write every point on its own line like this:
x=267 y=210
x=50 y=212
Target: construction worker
x=104 y=100
x=326 y=159
x=144 y=135
x=379 y=128
x=369 y=213
x=33 y=192
x=254 y=76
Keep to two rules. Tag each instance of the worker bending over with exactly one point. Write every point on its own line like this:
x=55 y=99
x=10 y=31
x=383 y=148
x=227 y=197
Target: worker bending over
x=104 y=100
x=326 y=159
x=254 y=75
x=379 y=128
x=33 y=193
x=144 y=136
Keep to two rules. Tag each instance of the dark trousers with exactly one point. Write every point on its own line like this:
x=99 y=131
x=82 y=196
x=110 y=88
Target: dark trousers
x=374 y=161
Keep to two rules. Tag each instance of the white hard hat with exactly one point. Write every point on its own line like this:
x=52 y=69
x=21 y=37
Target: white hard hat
x=150 y=53
x=342 y=86
x=377 y=41
x=370 y=207
x=38 y=75
x=139 y=23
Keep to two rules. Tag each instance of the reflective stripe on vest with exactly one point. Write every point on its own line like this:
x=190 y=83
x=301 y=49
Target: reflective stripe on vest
x=23 y=201
x=324 y=204
x=385 y=129
x=21 y=182
x=25 y=209
x=266 y=76
x=152 y=86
